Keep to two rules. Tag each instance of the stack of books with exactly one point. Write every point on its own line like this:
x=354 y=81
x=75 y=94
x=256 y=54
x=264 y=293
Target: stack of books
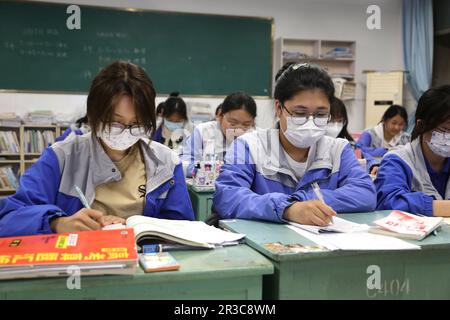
x=40 y=118
x=10 y=119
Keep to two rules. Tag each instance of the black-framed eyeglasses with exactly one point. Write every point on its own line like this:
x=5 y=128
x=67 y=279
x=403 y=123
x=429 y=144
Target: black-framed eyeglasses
x=135 y=130
x=299 y=118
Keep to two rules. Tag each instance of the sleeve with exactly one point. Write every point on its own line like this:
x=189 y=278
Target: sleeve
x=368 y=151
x=192 y=150
x=29 y=210
x=355 y=191
x=177 y=205
x=234 y=197
x=393 y=184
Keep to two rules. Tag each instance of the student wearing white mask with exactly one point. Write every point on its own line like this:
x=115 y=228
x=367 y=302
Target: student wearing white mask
x=337 y=126
x=416 y=177
x=119 y=170
x=236 y=116
x=175 y=126
x=268 y=173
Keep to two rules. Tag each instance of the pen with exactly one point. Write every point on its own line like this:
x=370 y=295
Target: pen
x=319 y=195
x=82 y=197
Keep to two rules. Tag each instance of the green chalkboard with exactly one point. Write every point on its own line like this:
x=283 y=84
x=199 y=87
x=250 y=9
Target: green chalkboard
x=191 y=53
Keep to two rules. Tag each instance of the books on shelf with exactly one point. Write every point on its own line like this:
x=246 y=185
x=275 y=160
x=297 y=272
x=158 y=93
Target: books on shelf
x=35 y=141
x=41 y=117
x=295 y=55
x=8 y=179
x=9 y=142
x=406 y=225
x=200 y=112
x=190 y=233
x=10 y=119
x=53 y=255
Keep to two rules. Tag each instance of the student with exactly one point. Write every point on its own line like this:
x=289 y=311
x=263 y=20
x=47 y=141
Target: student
x=118 y=169
x=337 y=127
x=237 y=115
x=79 y=128
x=416 y=177
x=175 y=125
x=389 y=133
x=268 y=173
x=159 y=114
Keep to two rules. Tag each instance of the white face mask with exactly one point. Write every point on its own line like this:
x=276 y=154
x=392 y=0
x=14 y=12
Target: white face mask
x=303 y=136
x=334 y=128
x=440 y=144
x=120 y=141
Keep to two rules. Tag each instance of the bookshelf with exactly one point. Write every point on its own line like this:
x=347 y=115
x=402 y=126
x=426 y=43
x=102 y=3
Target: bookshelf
x=338 y=63
x=23 y=159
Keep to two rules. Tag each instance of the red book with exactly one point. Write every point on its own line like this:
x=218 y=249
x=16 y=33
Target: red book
x=93 y=252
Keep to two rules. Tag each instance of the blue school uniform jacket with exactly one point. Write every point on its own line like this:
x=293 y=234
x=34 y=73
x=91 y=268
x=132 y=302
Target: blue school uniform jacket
x=371 y=146
x=403 y=181
x=256 y=182
x=47 y=188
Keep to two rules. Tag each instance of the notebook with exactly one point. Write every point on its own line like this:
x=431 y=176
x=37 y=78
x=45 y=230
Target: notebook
x=158 y=261
x=50 y=255
x=339 y=225
x=405 y=225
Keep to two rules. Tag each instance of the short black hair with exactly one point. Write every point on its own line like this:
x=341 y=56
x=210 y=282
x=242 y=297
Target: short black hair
x=394 y=110
x=174 y=104
x=293 y=78
x=433 y=109
x=237 y=101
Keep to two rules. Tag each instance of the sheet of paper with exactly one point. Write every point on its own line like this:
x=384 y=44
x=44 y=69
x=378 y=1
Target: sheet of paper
x=356 y=241
x=338 y=225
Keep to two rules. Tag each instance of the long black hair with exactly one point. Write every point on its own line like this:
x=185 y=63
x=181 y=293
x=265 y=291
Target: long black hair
x=174 y=104
x=338 y=110
x=433 y=109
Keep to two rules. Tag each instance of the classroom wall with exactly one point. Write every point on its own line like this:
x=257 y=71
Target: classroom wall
x=315 y=19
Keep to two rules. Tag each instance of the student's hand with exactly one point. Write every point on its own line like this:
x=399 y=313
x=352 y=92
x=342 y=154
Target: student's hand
x=374 y=170
x=107 y=220
x=441 y=208
x=312 y=212
x=83 y=220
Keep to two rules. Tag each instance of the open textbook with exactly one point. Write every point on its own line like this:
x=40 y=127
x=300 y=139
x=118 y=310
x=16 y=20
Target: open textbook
x=190 y=233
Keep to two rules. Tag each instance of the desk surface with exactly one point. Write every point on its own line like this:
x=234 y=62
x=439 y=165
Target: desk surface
x=259 y=233
x=202 y=269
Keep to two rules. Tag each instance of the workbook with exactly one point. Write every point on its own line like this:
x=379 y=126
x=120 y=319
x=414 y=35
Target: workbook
x=191 y=233
x=406 y=225
x=82 y=253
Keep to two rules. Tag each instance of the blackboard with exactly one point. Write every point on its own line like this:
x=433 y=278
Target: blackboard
x=192 y=53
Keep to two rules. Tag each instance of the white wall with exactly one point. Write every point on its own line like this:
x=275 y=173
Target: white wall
x=315 y=19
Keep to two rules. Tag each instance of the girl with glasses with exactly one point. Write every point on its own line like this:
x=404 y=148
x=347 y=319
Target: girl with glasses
x=118 y=169
x=268 y=174
x=210 y=139
x=416 y=177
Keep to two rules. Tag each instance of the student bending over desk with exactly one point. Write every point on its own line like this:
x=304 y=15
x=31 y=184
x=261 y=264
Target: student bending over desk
x=119 y=170
x=268 y=174
x=416 y=177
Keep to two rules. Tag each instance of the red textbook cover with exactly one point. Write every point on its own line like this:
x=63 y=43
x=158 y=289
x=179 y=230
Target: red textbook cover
x=88 y=250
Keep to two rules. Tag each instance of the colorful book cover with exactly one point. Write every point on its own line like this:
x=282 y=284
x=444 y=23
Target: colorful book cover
x=88 y=247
